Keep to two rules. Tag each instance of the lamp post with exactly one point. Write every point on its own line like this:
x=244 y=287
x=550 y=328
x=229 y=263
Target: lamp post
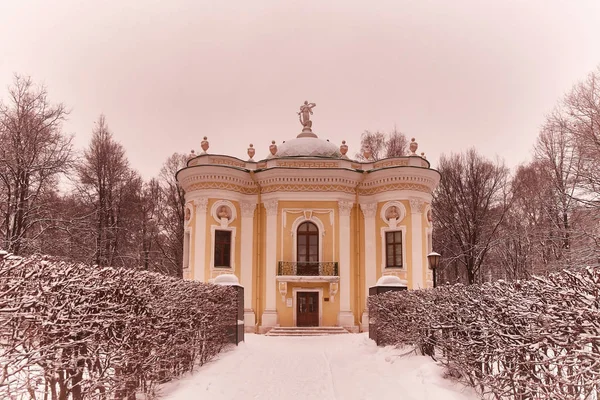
x=434 y=261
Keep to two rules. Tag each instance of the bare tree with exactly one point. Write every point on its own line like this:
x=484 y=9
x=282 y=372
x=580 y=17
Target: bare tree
x=383 y=145
x=34 y=151
x=171 y=215
x=103 y=177
x=469 y=207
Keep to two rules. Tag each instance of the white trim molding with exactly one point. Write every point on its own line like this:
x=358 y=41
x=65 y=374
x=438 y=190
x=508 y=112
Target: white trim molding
x=295 y=301
x=401 y=228
x=222 y=270
x=399 y=208
x=231 y=208
x=294 y=232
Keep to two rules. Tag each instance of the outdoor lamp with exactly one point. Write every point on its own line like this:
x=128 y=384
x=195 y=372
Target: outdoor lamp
x=434 y=261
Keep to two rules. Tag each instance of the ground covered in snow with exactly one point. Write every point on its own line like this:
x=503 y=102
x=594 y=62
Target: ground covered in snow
x=349 y=367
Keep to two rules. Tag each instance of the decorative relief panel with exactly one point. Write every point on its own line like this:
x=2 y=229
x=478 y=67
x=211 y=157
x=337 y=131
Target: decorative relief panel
x=368 y=209
x=307 y=164
x=271 y=207
x=417 y=205
x=222 y=185
x=307 y=188
x=201 y=204
x=224 y=212
x=247 y=209
x=345 y=207
x=392 y=212
x=393 y=186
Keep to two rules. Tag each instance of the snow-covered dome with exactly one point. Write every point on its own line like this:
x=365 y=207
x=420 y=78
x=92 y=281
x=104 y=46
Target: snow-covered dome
x=308 y=147
x=390 y=280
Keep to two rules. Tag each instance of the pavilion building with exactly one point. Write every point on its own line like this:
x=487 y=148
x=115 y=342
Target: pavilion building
x=307 y=230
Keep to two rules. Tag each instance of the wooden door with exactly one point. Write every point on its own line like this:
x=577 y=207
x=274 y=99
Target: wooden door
x=307 y=309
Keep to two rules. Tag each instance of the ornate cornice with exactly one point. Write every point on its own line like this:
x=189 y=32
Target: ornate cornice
x=306 y=188
x=223 y=186
x=368 y=209
x=394 y=186
x=307 y=164
x=345 y=208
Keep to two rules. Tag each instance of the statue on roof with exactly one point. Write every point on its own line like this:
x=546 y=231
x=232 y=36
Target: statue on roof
x=305 y=113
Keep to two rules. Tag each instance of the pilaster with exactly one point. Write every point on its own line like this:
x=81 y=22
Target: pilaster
x=345 y=317
x=199 y=272
x=246 y=265
x=416 y=208
x=269 y=317
x=369 y=210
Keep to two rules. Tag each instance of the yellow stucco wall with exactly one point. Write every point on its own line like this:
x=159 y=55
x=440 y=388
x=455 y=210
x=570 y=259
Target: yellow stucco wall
x=330 y=308
x=237 y=251
x=406 y=272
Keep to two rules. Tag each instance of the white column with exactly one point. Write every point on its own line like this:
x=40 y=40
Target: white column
x=269 y=317
x=246 y=267
x=200 y=239
x=369 y=210
x=416 y=209
x=345 y=317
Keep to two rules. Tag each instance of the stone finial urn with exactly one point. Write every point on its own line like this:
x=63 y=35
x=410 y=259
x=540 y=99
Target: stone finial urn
x=344 y=149
x=192 y=154
x=204 y=145
x=273 y=148
x=367 y=154
x=251 y=152
x=423 y=155
x=413 y=147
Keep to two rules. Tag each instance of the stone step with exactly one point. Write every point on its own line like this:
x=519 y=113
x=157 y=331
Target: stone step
x=306 y=331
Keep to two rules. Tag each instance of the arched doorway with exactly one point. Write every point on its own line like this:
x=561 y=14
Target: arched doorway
x=307 y=249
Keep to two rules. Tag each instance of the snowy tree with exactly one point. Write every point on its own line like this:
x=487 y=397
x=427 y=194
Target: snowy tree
x=34 y=152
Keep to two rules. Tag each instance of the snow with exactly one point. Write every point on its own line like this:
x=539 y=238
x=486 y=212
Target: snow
x=348 y=367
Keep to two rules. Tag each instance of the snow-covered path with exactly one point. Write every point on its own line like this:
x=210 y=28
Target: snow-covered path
x=325 y=367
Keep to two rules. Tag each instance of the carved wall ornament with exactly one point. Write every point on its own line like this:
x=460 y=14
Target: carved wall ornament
x=417 y=205
x=224 y=212
x=247 y=208
x=333 y=289
x=392 y=213
x=368 y=209
x=271 y=207
x=345 y=207
x=283 y=290
x=251 y=152
x=188 y=214
x=201 y=204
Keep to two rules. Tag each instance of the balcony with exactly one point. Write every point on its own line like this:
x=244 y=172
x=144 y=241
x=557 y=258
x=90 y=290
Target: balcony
x=292 y=268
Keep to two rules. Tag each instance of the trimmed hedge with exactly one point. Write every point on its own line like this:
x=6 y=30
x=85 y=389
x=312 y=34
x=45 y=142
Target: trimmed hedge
x=537 y=339
x=74 y=331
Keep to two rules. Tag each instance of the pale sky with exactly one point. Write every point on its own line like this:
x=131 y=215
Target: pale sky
x=453 y=74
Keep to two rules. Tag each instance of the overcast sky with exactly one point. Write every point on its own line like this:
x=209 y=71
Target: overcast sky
x=452 y=74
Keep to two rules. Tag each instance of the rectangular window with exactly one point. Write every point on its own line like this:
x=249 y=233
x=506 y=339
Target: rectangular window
x=393 y=249
x=223 y=249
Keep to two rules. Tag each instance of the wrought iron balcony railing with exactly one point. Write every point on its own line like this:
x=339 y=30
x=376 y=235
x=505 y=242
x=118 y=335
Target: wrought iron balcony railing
x=327 y=268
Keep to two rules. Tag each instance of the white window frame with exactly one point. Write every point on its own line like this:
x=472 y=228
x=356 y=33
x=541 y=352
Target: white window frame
x=384 y=230
x=233 y=231
x=321 y=232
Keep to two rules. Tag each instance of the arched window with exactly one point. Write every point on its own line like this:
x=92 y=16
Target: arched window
x=307 y=254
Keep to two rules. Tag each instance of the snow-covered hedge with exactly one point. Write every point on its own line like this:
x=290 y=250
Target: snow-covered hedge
x=73 y=331
x=537 y=339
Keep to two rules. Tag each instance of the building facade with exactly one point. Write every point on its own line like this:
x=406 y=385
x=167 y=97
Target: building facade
x=307 y=231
